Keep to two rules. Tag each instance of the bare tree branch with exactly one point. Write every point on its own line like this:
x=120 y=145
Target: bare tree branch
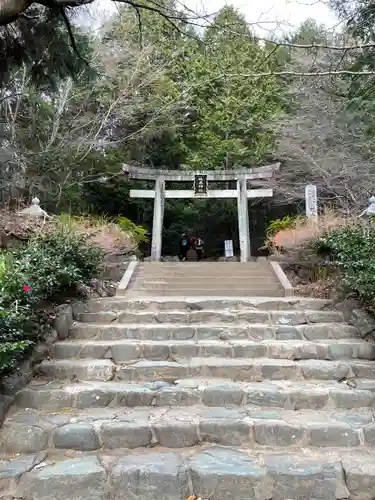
x=319 y=45
x=10 y=10
x=296 y=73
x=322 y=142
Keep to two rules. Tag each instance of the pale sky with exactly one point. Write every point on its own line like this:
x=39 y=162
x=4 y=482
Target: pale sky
x=290 y=13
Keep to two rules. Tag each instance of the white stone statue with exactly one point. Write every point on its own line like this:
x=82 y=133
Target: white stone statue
x=370 y=210
x=34 y=210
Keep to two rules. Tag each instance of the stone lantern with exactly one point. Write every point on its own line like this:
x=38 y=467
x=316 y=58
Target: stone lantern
x=370 y=210
x=34 y=210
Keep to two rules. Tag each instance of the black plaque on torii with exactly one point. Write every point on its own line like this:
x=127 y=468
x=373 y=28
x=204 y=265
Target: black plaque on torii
x=200 y=184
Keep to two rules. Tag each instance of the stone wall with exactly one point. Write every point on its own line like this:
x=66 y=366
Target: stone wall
x=356 y=316
x=365 y=323
x=9 y=386
x=115 y=266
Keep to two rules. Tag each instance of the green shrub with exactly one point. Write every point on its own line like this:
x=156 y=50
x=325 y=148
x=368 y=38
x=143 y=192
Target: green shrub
x=5 y=273
x=17 y=335
x=15 y=324
x=48 y=265
x=11 y=354
x=139 y=233
x=352 y=250
x=4 y=265
x=287 y=222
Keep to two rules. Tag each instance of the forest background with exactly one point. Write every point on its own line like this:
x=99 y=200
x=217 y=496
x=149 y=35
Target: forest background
x=162 y=87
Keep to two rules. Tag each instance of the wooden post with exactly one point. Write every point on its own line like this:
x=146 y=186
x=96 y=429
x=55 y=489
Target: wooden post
x=157 y=225
x=243 y=218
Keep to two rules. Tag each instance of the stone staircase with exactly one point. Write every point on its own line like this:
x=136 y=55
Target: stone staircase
x=218 y=399
x=202 y=279
x=191 y=255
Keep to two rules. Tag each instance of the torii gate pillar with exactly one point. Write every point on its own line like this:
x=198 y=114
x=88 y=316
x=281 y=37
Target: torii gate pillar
x=157 y=224
x=243 y=219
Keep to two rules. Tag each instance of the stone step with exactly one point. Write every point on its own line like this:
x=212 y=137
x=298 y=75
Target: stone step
x=172 y=285
x=122 y=351
x=244 y=369
x=113 y=429
x=197 y=278
x=289 y=395
x=205 y=302
x=194 y=284
x=167 y=331
x=188 y=276
x=198 y=292
x=203 y=265
x=194 y=267
x=213 y=317
x=203 y=282
x=199 y=274
x=212 y=472
x=170 y=288
x=209 y=269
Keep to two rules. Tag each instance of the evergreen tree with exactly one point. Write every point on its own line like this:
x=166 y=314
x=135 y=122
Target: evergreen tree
x=233 y=109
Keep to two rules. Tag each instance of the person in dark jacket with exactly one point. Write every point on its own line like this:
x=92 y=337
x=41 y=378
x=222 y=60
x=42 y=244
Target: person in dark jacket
x=184 y=246
x=199 y=245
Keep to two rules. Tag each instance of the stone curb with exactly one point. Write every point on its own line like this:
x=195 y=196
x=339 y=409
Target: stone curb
x=126 y=278
x=215 y=473
x=192 y=392
x=282 y=279
x=33 y=432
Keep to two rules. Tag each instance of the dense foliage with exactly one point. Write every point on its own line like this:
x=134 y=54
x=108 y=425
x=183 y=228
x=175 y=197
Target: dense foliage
x=358 y=18
x=47 y=266
x=17 y=335
x=352 y=250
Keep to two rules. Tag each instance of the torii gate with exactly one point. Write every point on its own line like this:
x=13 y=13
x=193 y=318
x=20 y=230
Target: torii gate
x=199 y=180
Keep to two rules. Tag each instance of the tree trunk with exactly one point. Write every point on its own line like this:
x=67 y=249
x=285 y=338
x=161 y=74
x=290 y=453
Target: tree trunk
x=10 y=10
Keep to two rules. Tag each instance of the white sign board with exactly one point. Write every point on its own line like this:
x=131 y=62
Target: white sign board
x=228 y=246
x=311 y=199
